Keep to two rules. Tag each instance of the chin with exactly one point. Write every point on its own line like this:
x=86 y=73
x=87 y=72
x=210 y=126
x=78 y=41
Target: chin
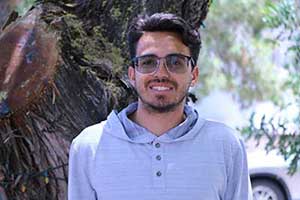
x=161 y=103
x=162 y=107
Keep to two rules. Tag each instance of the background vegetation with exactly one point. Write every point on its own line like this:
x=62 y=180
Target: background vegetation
x=252 y=50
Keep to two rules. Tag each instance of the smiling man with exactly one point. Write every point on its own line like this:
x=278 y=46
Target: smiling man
x=159 y=147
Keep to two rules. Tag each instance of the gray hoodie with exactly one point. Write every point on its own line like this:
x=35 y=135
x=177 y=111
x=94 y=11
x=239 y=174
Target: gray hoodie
x=208 y=162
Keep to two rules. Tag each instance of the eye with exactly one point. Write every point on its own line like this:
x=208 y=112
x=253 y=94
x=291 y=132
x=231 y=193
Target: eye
x=147 y=61
x=176 y=60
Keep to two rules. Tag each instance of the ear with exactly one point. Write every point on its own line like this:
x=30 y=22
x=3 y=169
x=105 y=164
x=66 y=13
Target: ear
x=131 y=75
x=195 y=75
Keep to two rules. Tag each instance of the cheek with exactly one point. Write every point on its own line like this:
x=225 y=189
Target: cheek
x=139 y=83
x=185 y=81
x=190 y=80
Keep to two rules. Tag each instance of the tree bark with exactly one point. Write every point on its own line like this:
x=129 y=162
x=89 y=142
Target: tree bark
x=7 y=12
x=62 y=68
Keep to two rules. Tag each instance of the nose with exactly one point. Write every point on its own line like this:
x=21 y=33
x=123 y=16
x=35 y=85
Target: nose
x=162 y=69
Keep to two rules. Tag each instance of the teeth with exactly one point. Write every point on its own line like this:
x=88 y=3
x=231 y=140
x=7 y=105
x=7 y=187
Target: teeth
x=160 y=88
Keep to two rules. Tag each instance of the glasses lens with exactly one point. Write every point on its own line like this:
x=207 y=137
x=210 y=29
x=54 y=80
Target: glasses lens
x=177 y=63
x=147 y=64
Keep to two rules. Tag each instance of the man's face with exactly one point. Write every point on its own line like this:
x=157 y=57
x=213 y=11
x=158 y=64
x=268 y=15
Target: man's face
x=162 y=90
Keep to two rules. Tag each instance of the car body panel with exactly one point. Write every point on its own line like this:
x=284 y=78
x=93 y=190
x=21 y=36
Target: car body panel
x=273 y=166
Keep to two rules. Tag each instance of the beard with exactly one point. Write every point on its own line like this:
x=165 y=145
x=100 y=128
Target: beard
x=161 y=103
x=161 y=106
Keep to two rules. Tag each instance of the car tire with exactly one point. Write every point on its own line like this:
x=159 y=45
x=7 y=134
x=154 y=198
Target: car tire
x=266 y=189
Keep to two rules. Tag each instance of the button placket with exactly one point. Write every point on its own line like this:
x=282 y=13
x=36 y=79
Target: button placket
x=158 y=165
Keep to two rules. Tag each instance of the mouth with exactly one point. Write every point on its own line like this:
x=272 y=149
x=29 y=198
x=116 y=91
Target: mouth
x=161 y=88
x=161 y=85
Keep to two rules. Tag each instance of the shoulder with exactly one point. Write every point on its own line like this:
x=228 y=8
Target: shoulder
x=89 y=137
x=220 y=132
x=229 y=140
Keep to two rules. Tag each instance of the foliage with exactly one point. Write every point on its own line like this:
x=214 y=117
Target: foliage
x=283 y=130
x=252 y=50
x=24 y=6
x=235 y=55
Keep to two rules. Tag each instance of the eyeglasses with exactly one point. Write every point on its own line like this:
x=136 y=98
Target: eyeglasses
x=175 y=63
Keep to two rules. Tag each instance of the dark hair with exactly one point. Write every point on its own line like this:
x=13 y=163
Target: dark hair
x=164 y=22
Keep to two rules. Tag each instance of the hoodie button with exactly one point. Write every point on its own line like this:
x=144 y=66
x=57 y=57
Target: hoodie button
x=157 y=145
x=158 y=174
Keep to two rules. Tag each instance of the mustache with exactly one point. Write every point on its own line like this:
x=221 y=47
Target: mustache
x=162 y=80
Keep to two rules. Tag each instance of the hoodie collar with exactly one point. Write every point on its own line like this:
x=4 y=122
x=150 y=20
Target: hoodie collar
x=119 y=125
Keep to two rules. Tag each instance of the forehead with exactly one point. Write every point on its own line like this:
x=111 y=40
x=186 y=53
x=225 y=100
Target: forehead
x=161 y=43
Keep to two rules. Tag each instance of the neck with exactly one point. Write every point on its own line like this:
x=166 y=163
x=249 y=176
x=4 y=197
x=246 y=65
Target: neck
x=156 y=122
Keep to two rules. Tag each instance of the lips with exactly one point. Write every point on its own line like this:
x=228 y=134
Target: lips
x=161 y=85
x=161 y=88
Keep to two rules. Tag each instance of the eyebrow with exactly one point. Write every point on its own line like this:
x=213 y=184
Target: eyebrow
x=151 y=54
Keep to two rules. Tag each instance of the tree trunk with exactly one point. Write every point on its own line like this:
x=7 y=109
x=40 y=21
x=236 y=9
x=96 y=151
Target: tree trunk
x=7 y=14
x=62 y=68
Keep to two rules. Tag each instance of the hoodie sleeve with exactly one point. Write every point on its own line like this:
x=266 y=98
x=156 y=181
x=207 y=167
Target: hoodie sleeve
x=238 y=184
x=79 y=183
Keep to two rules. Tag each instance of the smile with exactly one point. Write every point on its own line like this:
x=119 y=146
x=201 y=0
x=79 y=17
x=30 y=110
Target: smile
x=160 y=88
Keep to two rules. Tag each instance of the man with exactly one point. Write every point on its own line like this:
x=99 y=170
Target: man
x=159 y=147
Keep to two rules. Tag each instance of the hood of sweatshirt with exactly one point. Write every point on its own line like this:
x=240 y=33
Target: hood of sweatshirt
x=114 y=127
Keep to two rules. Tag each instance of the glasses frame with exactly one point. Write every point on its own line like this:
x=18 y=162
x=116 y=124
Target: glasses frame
x=135 y=60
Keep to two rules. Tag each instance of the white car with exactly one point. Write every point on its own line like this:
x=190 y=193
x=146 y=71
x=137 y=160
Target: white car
x=269 y=178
